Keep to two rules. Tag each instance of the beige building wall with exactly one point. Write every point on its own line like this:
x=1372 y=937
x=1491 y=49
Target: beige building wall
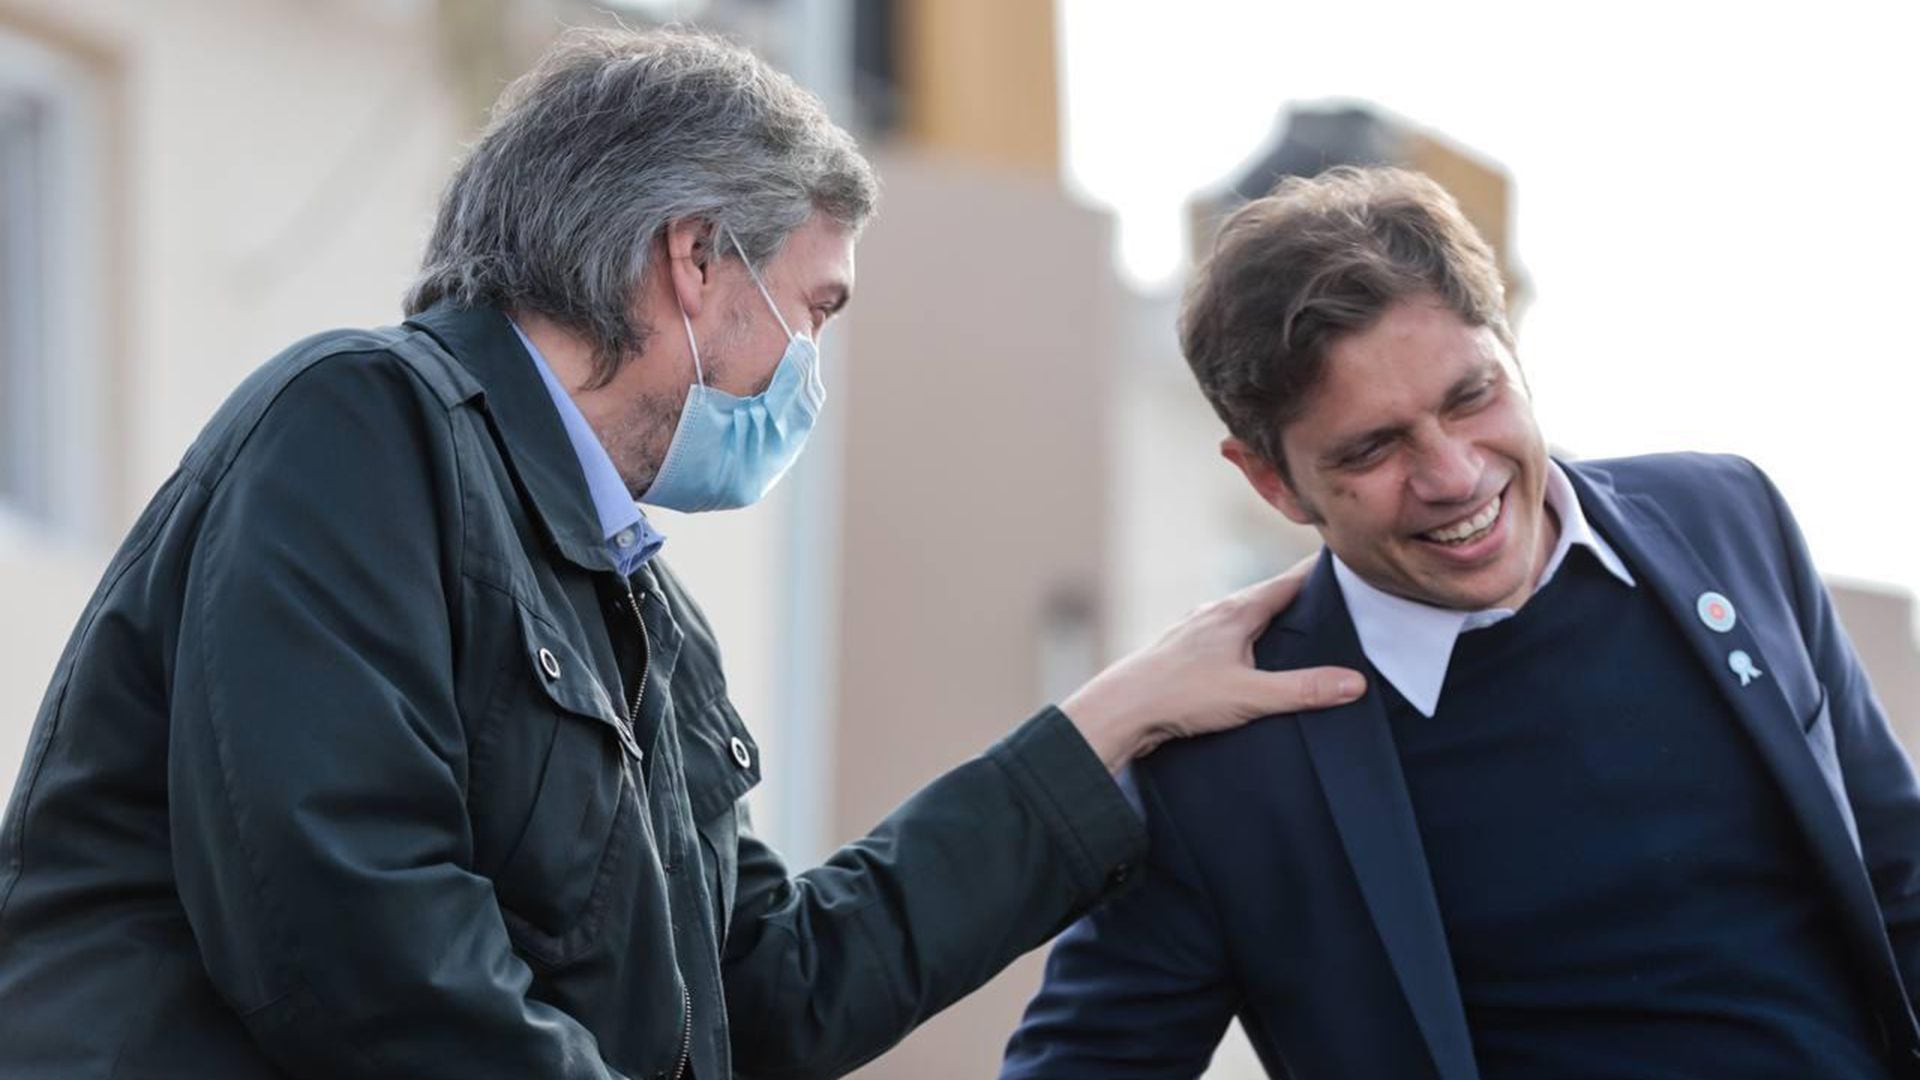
x=979 y=360
x=980 y=82
x=239 y=143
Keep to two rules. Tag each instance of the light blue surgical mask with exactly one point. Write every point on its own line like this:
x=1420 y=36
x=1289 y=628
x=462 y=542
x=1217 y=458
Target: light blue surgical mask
x=728 y=451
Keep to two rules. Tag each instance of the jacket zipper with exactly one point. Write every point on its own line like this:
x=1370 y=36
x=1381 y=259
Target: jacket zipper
x=633 y=723
x=646 y=667
x=686 y=1030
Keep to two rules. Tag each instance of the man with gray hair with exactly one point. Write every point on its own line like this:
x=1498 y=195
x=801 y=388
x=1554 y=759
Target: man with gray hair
x=389 y=747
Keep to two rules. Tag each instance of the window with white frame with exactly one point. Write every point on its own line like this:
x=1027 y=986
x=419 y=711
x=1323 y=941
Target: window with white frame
x=51 y=392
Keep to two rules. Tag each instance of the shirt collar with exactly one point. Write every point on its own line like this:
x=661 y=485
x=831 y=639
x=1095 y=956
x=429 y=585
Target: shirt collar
x=1410 y=643
x=631 y=539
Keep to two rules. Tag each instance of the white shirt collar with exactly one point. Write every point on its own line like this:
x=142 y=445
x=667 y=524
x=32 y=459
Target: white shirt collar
x=1410 y=643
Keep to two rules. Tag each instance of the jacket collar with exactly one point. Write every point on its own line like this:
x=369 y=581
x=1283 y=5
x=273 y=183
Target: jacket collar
x=528 y=427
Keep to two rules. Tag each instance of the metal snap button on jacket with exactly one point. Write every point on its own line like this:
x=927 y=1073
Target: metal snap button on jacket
x=740 y=754
x=549 y=663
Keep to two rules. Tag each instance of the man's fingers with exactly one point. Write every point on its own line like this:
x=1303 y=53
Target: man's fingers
x=1305 y=689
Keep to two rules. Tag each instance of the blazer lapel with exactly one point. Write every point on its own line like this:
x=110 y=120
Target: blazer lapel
x=1678 y=576
x=1353 y=755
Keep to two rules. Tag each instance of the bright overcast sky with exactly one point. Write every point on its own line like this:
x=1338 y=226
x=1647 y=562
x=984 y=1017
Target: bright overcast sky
x=1718 y=205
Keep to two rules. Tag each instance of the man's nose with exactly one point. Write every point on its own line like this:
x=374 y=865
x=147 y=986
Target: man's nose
x=1447 y=470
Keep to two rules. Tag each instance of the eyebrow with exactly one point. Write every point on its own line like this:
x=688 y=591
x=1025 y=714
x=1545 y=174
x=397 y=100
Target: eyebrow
x=1351 y=447
x=1462 y=387
x=1470 y=382
x=836 y=297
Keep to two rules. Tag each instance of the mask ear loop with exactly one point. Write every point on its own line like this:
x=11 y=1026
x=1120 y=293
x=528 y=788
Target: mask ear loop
x=699 y=377
x=755 y=275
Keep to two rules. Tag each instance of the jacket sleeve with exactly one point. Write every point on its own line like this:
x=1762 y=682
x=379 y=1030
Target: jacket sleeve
x=1142 y=987
x=317 y=766
x=1881 y=789
x=828 y=969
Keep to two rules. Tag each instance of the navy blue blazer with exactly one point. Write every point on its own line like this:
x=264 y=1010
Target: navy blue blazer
x=1287 y=883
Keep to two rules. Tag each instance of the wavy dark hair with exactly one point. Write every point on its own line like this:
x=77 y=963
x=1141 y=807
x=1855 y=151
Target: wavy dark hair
x=1317 y=259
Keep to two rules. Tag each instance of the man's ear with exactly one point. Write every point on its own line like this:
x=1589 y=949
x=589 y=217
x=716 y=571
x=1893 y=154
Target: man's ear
x=1268 y=480
x=690 y=261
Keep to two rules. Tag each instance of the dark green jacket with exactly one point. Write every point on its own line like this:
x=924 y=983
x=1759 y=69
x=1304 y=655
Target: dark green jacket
x=341 y=776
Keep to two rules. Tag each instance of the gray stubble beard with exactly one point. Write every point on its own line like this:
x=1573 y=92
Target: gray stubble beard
x=639 y=444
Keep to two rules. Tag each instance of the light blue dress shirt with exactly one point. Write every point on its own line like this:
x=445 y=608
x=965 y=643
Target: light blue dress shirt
x=631 y=539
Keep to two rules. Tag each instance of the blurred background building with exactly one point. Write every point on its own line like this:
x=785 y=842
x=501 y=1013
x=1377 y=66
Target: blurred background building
x=1015 y=479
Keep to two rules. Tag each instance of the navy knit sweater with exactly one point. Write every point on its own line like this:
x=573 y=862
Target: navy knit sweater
x=1624 y=892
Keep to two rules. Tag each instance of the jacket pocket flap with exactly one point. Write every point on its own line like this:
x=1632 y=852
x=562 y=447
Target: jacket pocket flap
x=722 y=760
x=563 y=672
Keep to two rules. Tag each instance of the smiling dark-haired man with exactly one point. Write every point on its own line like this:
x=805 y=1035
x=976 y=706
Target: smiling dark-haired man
x=1620 y=801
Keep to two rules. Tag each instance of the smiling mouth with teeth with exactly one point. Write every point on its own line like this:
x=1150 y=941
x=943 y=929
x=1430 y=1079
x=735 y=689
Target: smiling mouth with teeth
x=1470 y=529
